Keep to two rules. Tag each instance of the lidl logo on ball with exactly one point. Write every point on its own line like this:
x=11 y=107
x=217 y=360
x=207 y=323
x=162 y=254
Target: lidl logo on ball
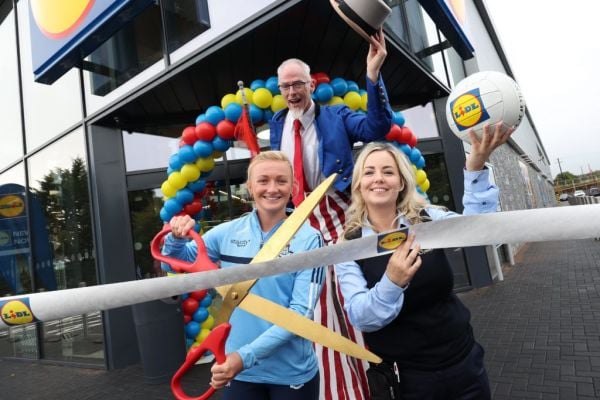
x=389 y=241
x=11 y=206
x=16 y=312
x=468 y=110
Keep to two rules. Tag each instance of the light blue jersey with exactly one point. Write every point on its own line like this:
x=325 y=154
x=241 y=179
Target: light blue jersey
x=270 y=354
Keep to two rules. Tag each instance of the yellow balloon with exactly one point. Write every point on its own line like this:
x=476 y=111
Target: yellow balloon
x=352 y=100
x=202 y=335
x=421 y=176
x=278 y=103
x=205 y=164
x=167 y=189
x=363 y=102
x=335 y=100
x=176 y=180
x=190 y=172
x=249 y=94
x=262 y=97
x=228 y=99
x=425 y=185
x=208 y=323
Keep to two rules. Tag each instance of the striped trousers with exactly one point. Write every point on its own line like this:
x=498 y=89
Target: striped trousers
x=342 y=377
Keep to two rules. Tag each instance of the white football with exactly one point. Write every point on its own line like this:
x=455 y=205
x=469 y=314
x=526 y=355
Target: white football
x=484 y=98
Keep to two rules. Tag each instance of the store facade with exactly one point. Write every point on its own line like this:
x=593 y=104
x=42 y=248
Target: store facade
x=86 y=154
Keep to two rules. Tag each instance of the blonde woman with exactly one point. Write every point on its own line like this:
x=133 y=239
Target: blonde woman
x=404 y=302
x=263 y=361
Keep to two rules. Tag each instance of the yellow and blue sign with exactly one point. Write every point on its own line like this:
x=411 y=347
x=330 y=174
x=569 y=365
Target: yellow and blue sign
x=64 y=32
x=390 y=241
x=468 y=110
x=16 y=312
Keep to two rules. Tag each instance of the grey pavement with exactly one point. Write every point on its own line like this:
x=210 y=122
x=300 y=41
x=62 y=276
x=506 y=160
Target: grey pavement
x=540 y=328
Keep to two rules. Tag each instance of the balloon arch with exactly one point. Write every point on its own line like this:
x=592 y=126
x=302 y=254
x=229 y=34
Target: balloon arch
x=213 y=134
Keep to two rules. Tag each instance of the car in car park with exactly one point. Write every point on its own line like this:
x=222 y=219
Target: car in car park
x=579 y=193
x=563 y=197
x=594 y=191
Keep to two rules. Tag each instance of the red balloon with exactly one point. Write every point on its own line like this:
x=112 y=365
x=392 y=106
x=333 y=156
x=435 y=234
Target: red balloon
x=225 y=129
x=394 y=134
x=413 y=140
x=192 y=208
x=405 y=135
x=189 y=135
x=198 y=294
x=186 y=318
x=320 y=77
x=189 y=306
x=205 y=131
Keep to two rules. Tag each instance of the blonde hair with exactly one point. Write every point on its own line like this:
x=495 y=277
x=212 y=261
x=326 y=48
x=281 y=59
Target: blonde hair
x=408 y=204
x=271 y=155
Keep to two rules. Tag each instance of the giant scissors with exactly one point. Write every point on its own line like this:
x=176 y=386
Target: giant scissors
x=238 y=295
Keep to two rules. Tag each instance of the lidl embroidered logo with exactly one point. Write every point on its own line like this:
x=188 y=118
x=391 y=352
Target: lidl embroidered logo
x=468 y=110
x=16 y=312
x=11 y=206
x=58 y=18
x=390 y=241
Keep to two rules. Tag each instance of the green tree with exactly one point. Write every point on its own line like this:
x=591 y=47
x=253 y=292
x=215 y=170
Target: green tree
x=564 y=178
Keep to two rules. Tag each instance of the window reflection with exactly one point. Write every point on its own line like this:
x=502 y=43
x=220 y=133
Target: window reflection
x=184 y=20
x=65 y=250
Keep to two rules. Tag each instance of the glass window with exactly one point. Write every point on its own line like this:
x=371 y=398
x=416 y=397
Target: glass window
x=131 y=50
x=396 y=21
x=15 y=259
x=143 y=151
x=58 y=178
x=440 y=192
x=49 y=109
x=10 y=123
x=421 y=121
x=184 y=20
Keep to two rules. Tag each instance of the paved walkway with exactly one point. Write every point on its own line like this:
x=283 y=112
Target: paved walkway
x=540 y=328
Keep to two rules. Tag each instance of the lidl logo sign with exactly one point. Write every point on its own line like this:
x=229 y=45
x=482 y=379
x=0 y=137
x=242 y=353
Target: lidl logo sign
x=390 y=241
x=64 y=32
x=16 y=312
x=11 y=206
x=468 y=110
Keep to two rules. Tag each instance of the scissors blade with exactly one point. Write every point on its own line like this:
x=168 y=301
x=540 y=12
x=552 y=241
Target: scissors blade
x=304 y=327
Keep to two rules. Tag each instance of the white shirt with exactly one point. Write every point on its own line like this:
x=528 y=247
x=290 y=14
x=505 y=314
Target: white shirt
x=310 y=145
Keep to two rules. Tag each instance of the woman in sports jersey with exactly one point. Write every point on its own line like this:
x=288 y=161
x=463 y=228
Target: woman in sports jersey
x=263 y=360
x=404 y=301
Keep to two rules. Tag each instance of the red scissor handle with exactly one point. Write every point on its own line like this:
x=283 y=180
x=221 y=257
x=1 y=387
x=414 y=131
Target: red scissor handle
x=202 y=262
x=214 y=342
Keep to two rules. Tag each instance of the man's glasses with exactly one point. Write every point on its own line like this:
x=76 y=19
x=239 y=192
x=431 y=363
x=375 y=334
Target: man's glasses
x=297 y=85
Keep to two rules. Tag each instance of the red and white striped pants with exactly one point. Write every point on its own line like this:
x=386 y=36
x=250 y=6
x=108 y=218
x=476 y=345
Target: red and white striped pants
x=342 y=377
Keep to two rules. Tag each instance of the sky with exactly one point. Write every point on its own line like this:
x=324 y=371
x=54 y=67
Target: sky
x=553 y=48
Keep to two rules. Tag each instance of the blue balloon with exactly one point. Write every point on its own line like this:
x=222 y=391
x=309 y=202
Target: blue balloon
x=184 y=296
x=189 y=342
x=197 y=186
x=268 y=115
x=324 y=92
x=166 y=267
x=200 y=118
x=398 y=118
x=166 y=215
x=206 y=301
x=406 y=149
x=172 y=206
x=257 y=84
x=197 y=227
x=339 y=85
x=192 y=329
x=415 y=154
x=186 y=154
x=352 y=86
x=175 y=162
x=200 y=314
x=203 y=149
x=233 y=112
x=184 y=196
x=362 y=91
x=169 y=170
x=256 y=114
x=273 y=85
x=214 y=115
x=220 y=145
x=420 y=164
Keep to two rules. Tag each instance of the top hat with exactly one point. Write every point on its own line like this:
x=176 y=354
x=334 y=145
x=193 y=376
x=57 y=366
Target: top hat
x=364 y=16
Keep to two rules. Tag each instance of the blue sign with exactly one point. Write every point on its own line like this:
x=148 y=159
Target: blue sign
x=65 y=32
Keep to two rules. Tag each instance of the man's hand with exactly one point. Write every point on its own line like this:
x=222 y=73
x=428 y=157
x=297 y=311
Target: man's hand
x=376 y=56
x=482 y=148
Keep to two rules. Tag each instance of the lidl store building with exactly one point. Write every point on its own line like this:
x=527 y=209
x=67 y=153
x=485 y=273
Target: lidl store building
x=87 y=134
